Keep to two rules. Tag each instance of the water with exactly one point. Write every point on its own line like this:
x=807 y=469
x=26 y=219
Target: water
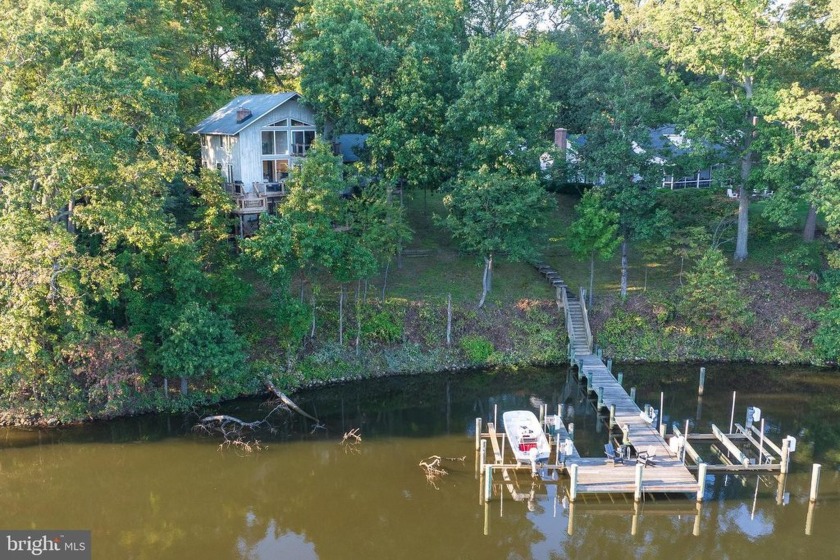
x=151 y=488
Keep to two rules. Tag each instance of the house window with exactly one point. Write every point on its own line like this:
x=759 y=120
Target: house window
x=275 y=169
x=267 y=142
x=301 y=141
x=275 y=142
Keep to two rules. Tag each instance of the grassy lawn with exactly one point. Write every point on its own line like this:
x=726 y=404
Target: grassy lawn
x=434 y=266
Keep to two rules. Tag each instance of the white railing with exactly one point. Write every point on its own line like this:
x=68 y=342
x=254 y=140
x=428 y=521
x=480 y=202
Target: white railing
x=251 y=205
x=270 y=189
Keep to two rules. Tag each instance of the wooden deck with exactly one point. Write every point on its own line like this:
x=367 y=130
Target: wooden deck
x=596 y=475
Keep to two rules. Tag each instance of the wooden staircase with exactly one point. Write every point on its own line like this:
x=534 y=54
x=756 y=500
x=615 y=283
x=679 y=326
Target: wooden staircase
x=577 y=320
x=577 y=327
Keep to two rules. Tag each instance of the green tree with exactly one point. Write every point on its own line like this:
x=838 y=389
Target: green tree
x=727 y=49
x=594 y=233
x=500 y=118
x=625 y=96
x=495 y=211
x=710 y=297
x=385 y=68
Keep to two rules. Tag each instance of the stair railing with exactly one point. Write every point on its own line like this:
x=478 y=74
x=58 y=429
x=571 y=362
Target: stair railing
x=582 y=297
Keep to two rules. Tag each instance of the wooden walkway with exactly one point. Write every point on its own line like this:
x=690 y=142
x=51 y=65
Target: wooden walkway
x=666 y=475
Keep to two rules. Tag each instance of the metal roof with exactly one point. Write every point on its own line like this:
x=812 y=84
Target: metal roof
x=350 y=145
x=224 y=122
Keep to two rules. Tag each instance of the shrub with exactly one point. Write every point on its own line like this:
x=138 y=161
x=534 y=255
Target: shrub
x=477 y=348
x=382 y=327
x=711 y=299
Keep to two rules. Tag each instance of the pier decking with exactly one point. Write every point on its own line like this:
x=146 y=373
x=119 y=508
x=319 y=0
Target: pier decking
x=668 y=473
x=660 y=471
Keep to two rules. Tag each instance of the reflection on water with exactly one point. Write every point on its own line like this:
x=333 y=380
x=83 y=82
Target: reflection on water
x=150 y=488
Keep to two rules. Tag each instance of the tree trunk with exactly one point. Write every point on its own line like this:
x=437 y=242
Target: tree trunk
x=743 y=192
x=359 y=317
x=184 y=386
x=341 y=315
x=312 y=299
x=487 y=279
x=385 y=281
x=591 y=276
x=448 y=319
x=810 y=224
x=624 y=267
x=743 y=212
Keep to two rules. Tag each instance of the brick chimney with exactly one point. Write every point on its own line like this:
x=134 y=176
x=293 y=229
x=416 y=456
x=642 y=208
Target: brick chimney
x=242 y=114
x=560 y=139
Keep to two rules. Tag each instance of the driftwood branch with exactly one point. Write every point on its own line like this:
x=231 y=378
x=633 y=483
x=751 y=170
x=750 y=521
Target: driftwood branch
x=287 y=401
x=351 y=441
x=235 y=432
x=434 y=471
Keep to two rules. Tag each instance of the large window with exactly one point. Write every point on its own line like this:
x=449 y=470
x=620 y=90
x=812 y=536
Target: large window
x=281 y=139
x=275 y=142
x=301 y=141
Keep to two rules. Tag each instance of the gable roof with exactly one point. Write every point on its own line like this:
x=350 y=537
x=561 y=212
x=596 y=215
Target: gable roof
x=665 y=141
x=224 y=122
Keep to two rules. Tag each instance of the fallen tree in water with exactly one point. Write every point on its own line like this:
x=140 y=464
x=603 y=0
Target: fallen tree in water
x=237 y=433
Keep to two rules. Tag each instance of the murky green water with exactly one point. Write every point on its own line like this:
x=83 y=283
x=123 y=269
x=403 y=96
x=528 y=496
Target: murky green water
x=151 y=488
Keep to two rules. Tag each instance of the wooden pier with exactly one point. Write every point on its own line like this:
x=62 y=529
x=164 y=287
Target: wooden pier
x=652 y=468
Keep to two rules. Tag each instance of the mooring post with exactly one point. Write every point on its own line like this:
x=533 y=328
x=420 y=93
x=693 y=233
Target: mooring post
x=571 y=528
x=732 y=416
x=542 y=415
x=633 y=394
x=488 y=482
x=637 y=496
x=477 y=433
x=661 y=411
x=634 y=523
x=620 y=378
x=815 y=481
x=696 y=531
x=809 y=520
x=561 y=411
x=573 y=483
x=625 y=434
x=761 y=444
x=663 y=429
x=785 y=458
x=612 y=416
x=600 y=397
x=571 y=431
x=482 y=455
x=702 y=382
x=701 y=482
x=496 y=416
x=609 y=365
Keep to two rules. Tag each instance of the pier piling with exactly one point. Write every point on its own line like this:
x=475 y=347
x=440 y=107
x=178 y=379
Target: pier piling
x=815 y=481
x=702 y=382
x=701 y=482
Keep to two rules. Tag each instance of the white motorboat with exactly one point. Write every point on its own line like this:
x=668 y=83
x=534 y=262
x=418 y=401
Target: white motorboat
x=527 y=438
